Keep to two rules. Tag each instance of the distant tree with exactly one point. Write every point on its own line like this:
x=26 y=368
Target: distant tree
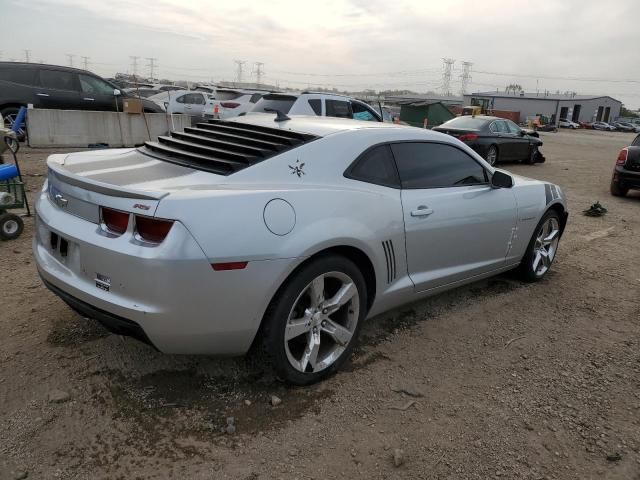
x=625 y=112
x=513 y=87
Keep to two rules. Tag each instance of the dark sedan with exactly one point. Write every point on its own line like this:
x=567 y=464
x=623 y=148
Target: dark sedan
x=626 y=173
x=56 y=87
x=495 y=139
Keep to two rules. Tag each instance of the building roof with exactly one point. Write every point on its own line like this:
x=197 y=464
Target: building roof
x=539 y=96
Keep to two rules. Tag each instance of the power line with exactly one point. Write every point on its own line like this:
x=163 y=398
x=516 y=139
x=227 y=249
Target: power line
x=576 y=79
x=70 y=56
x=152 y=65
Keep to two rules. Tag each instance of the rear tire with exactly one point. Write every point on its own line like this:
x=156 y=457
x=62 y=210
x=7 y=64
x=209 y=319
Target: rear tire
x=542 y=248
x=11 y=226
x=304 y=340
x=618 y=190
x=492 y=155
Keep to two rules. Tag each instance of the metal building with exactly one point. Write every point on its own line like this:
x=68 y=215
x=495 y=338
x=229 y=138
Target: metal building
x=577 y=108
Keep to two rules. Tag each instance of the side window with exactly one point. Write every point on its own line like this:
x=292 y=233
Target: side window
x=362 y=112
x=183 y=99
x=90 y=84
x=195 y=99
x=22 y=76
x=375 y=166
x=636 y=142
x=512 y=127
x=339 y=108
x=435 y=165
x=57 y=80
x=499 y=126
x=316 y=105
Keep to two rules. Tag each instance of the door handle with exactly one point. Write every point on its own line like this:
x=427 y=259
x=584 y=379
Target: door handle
x=89 y=99
x=42 y=94
x=421 y=211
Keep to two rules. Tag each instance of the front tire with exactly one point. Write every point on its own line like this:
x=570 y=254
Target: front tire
x=492 y=155
x=533 y=156
x=313 y=322
x=11 y=226
x=542 y=248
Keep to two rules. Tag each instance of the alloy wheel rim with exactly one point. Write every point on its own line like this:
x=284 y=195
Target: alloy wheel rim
x=546 y=245
x=492 y=156
x=10 y=227
x=322 y=322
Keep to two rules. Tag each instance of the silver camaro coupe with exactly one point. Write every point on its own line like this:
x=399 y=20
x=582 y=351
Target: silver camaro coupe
x=280 y=235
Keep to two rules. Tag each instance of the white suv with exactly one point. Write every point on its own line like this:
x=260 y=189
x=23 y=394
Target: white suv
x=230 y=102
x=317 y=103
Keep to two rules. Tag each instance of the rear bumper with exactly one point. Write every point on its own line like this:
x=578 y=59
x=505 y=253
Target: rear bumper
x=167 y=295
x=627 y=178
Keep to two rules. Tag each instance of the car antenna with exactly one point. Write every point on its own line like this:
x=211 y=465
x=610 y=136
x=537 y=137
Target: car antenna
x=280 y=117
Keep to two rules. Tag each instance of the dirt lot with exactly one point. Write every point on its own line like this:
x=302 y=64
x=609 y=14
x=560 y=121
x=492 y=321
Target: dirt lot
x=509 y=380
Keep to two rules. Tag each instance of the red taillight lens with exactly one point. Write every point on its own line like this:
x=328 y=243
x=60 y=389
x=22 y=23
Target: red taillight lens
x=115 y=220
x=151 y=229
x=229 y=104
x=229 y=266
x=622 y=157
x=468 y=137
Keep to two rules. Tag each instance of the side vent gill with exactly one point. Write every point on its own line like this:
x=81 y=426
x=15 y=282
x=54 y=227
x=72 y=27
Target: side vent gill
x=390 y=256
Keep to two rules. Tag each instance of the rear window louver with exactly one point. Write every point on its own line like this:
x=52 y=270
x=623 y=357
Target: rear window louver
x=224 y=147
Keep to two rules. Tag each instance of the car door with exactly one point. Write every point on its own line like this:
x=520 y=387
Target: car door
x=96 y=94
x=179 y=103
x=59 y=89
x=456 y=225
x=520 y=141
x=499 y=130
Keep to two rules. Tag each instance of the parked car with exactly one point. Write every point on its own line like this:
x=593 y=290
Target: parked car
x=495 y=139
x=564 y=123
x=317 y=103
x=603 y=126
x=281 y=237
x=624 y=127
x=588 y=125
x=231 y=102
x=626 y=173
x=184 y=101
x=52 y=86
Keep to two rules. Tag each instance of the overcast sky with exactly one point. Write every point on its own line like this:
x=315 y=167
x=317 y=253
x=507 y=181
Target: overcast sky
x=587 y=46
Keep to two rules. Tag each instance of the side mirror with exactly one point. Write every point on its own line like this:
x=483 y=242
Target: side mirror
x=522 y=133
x=501 y=180
x=117 y=93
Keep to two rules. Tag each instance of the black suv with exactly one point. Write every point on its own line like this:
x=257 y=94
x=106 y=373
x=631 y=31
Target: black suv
x=53 y=86
x=626 y=173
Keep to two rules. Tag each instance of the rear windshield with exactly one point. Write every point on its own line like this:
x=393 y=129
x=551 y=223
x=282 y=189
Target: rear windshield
x=227 y=94
x=282 y=103
x=636 y=142
x=466 y=122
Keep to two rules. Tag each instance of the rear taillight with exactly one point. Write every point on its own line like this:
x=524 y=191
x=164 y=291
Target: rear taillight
x=468 y=137
x=622 y=156
x=229 y=104
x=115 y=220
x=152 y=230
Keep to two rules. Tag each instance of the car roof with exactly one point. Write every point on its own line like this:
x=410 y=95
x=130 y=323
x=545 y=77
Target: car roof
x=44 y=65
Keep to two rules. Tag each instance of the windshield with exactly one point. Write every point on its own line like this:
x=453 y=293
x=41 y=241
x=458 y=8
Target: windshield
x=282 y=103
x=466 y=122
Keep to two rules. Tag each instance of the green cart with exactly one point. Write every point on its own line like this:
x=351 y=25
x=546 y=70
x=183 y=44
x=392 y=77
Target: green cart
x=11 y=197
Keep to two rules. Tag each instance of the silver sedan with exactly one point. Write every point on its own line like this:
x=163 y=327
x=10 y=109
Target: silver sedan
x=279 y=236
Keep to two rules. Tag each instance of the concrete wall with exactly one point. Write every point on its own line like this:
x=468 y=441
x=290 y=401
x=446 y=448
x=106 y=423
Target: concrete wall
x=76 y=128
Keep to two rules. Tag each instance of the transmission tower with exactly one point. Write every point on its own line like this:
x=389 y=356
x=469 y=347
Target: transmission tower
x=446 y=75
x=259 y=72
x=27 y=56
x=85 y=62
x=239 y=68
x=465 y=77
x=70 y=56
x=152 y=65
x=134 y=65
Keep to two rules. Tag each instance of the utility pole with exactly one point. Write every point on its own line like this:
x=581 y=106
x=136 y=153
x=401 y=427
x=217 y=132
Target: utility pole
x=239 y=68
x=85 y=62
x=446 y=76
x=259 y=72
x=151 y=65
x=70 y=56
x=466 y=77
x=134 y=65
x=27 y=56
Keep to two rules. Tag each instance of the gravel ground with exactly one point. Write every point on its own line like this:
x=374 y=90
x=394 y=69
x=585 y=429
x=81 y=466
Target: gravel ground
x=497 y=379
